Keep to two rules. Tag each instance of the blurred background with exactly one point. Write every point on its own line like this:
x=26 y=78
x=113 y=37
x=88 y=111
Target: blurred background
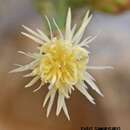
x=21 y=109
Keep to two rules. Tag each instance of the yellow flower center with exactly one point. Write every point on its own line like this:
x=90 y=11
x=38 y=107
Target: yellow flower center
x=62 y=63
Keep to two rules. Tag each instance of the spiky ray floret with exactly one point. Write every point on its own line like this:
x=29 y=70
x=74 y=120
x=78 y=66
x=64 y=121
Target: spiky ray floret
x=61 y=62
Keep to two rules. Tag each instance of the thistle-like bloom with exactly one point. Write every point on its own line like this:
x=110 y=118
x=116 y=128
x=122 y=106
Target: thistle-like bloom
x=61 y=63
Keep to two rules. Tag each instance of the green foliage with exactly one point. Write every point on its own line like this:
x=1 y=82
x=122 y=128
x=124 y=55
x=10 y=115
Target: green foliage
x=58 y=8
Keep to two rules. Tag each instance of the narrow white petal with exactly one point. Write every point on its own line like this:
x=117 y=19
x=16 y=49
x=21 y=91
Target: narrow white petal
x=29 y=75
x=46 y=98
x=34 y=33
x=72 y=88
x=25 y=67
x=43 y=35
x=65 y=110
x=99 y=67
x=28 y=54
x=60 y=103
x=86 y=41
x=90 y=40
x=30 y=30
x=90 y=76
x=78 y=40
x=73 y=31
x=18 y=65
x=32 y=82
x=49 y=25
x=68 y=25
x=61 y=35
x=93 y=86
x=52 y=83
x=37 y=55
x=50 y=86
x=70 y=91
x=64 y=91
x=52 y=97
x=83 y=85
x=32 y=37
x=85 y=93
x=82 y=28
x=35 y=90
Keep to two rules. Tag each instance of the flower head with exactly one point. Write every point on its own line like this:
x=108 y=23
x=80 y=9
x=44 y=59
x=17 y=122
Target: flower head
x=61 y=63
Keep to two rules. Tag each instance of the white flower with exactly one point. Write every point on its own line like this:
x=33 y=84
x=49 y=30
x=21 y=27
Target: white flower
x=61 y=63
